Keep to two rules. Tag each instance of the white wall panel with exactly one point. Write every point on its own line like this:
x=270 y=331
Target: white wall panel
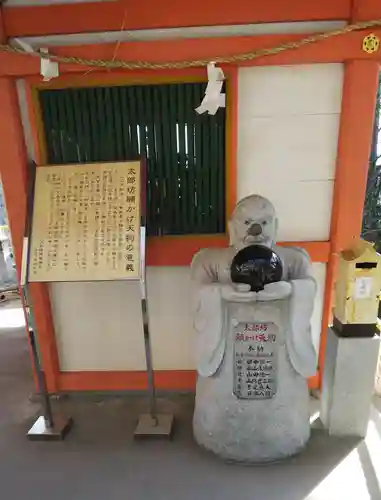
x=171 y=312
x=288 y=147
x=303 y=89
x=98 y=325
x=288 y=126
x=304 y=208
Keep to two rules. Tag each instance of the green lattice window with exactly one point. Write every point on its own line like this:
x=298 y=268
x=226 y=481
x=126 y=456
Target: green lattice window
x=185 y=151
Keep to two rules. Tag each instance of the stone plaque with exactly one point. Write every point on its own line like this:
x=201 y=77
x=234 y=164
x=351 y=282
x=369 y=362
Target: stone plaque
x=255 y=360
x=86 y=223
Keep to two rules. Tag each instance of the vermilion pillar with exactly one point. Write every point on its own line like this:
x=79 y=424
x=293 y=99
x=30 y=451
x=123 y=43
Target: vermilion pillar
x=356 y=125
x=13 y=171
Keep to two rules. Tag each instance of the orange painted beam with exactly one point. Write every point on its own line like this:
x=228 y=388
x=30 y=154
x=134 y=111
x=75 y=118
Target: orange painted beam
x=335 y=49
x=318 y=251
x=179 y=380
x=13 y=171
x=179 y=250
x=175 y=380
x=363 y=10
x=150 y=14
x=97 y=78
x=355 y=136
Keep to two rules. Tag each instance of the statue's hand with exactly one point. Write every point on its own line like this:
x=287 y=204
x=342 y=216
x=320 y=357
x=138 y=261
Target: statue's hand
x=238 y=293
x=241 y=292
x=275 y=291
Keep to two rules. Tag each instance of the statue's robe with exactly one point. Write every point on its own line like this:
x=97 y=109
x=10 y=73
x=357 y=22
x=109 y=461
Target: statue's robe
x=252 y=430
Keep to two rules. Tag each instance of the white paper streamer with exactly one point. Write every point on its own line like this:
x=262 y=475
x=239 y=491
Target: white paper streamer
x=49 y=69
x=213 y=98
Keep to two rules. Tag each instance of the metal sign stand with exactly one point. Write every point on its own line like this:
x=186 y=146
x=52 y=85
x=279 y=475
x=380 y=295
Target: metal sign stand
x=153 y=424
x=48 y=427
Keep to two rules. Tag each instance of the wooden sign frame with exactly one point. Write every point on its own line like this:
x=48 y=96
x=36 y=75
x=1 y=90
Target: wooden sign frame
x=86 y=222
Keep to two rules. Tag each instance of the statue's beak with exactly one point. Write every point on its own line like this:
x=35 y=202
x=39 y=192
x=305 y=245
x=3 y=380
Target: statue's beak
x=254 y=230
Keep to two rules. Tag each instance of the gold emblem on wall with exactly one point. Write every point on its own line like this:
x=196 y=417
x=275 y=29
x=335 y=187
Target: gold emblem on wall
x=371 y=43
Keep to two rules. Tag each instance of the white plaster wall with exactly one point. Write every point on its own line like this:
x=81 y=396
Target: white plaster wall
x=288 y=120
x=98 y=325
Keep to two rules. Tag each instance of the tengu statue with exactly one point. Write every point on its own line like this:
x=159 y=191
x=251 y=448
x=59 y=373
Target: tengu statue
x=254 y=302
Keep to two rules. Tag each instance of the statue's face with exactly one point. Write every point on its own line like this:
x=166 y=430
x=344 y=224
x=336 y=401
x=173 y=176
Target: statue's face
x=253 y=222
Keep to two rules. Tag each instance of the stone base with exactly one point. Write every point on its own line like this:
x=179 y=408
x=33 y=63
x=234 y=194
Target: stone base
x=261 y=431
x=348 y=384
x=251 y=453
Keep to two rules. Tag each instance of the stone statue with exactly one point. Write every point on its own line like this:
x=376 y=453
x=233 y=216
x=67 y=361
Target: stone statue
x=254 y=349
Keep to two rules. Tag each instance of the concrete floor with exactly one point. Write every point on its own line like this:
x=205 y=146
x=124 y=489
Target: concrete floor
x=99 y=460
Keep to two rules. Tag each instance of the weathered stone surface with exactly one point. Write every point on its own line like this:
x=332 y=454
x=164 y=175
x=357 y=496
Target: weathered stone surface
x=253 y=430
x=348 y=383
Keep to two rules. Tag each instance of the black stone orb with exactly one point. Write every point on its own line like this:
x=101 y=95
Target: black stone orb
x=256 y=265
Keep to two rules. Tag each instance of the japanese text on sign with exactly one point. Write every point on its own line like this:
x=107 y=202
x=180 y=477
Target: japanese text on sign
x=86 y=223
x=255 y=360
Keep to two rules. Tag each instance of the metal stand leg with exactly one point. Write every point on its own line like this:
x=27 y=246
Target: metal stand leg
x=47 y=427
x=147 y=347
x=152 y=425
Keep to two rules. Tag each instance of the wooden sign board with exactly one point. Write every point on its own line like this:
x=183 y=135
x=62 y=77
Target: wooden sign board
x=86 y=223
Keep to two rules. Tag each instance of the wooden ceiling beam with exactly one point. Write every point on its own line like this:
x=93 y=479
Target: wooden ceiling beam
x=153 y=14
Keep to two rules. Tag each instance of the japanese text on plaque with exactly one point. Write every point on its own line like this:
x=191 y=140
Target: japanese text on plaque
x=86 y=223
x=255 y=360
